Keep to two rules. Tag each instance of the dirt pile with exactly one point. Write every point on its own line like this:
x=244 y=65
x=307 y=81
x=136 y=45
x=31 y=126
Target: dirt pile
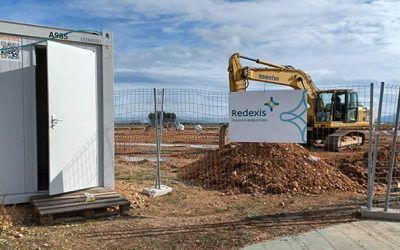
x=267 y=168
x=384 y=154
x=357 y=167
x=355 y=170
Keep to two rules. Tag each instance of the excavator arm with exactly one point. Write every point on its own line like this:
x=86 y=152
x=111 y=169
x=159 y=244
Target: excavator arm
x=273 y=73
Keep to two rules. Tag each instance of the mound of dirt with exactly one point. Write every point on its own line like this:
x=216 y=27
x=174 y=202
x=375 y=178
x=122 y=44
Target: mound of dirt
x=357 y=168
x=267 y=168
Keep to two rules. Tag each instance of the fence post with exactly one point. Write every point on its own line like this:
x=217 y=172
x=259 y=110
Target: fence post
x=159 y=140
x=375 y=155
x=371 y=129
x=393 y=154
x=156 y=128
x=223 y=135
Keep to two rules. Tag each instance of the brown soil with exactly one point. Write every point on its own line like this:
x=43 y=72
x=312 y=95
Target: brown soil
x=356 y=166
x=189 y=218
x=138 y=134
x=267 y=168
x=194 y=217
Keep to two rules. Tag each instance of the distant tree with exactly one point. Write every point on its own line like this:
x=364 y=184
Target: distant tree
x=168 y=118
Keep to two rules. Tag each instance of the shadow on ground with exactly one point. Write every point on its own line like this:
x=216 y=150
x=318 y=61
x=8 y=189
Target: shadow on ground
x=320 y=217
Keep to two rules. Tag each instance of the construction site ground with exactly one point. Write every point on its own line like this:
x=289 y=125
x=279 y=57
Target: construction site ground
x=366 y=234
x=192 y=216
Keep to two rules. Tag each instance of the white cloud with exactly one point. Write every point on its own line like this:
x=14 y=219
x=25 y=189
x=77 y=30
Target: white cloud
x=322 y=72
x=336 y=39
x=323 y=21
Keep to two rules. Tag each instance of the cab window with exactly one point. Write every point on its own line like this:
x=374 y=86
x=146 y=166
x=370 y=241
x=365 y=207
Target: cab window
x=324 y=105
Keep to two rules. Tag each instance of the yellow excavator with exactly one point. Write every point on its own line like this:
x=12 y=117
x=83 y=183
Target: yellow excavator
x=335 y=118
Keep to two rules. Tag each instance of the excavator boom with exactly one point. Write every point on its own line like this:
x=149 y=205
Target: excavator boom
x=274 y=73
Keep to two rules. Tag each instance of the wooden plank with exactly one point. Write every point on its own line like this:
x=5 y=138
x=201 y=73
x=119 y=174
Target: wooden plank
x=66 y=198
x=77 y=193
x=79 y=203
x=47 y=207
x=97 y=190
x=60 y=201
x=64 y=201
x=72 y=195
x=35 y=207
x=82 y=208
x=55 y=203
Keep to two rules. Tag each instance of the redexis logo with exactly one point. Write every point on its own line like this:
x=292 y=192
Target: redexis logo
x=256 y=112
x=271 y=104
x=249 y=113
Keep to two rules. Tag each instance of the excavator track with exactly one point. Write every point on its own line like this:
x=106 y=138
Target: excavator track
x=344 y=139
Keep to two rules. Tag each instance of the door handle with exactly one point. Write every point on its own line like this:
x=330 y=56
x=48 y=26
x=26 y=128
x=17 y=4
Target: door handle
x=54 y=121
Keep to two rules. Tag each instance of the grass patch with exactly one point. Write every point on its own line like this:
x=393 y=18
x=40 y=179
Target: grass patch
x=4 y=221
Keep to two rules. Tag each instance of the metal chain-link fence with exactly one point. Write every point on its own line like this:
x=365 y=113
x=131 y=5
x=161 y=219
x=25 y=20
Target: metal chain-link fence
x=195 y=152
x=191 y=120
x=384 y=175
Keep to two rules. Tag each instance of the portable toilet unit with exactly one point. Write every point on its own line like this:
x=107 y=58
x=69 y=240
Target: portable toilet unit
x=56 y=111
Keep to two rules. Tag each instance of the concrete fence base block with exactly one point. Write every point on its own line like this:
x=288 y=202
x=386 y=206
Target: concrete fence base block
x=153 y=192
x=380 y=214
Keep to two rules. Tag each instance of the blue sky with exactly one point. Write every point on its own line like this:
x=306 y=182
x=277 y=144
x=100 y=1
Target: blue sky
x=181 y=43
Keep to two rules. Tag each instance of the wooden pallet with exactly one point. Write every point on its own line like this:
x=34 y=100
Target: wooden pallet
x=50 y=207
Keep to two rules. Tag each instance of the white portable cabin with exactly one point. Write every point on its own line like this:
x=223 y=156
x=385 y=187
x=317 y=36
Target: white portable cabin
x=56 y=111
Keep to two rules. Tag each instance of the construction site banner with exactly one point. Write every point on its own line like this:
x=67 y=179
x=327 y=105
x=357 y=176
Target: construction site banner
x=270 y=116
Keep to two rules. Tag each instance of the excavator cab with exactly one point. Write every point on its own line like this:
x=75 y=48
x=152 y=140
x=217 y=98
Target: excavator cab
x=339 y=105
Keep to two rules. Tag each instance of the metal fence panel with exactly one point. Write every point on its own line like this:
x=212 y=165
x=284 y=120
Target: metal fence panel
x=194 y=123
x=386 y=186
